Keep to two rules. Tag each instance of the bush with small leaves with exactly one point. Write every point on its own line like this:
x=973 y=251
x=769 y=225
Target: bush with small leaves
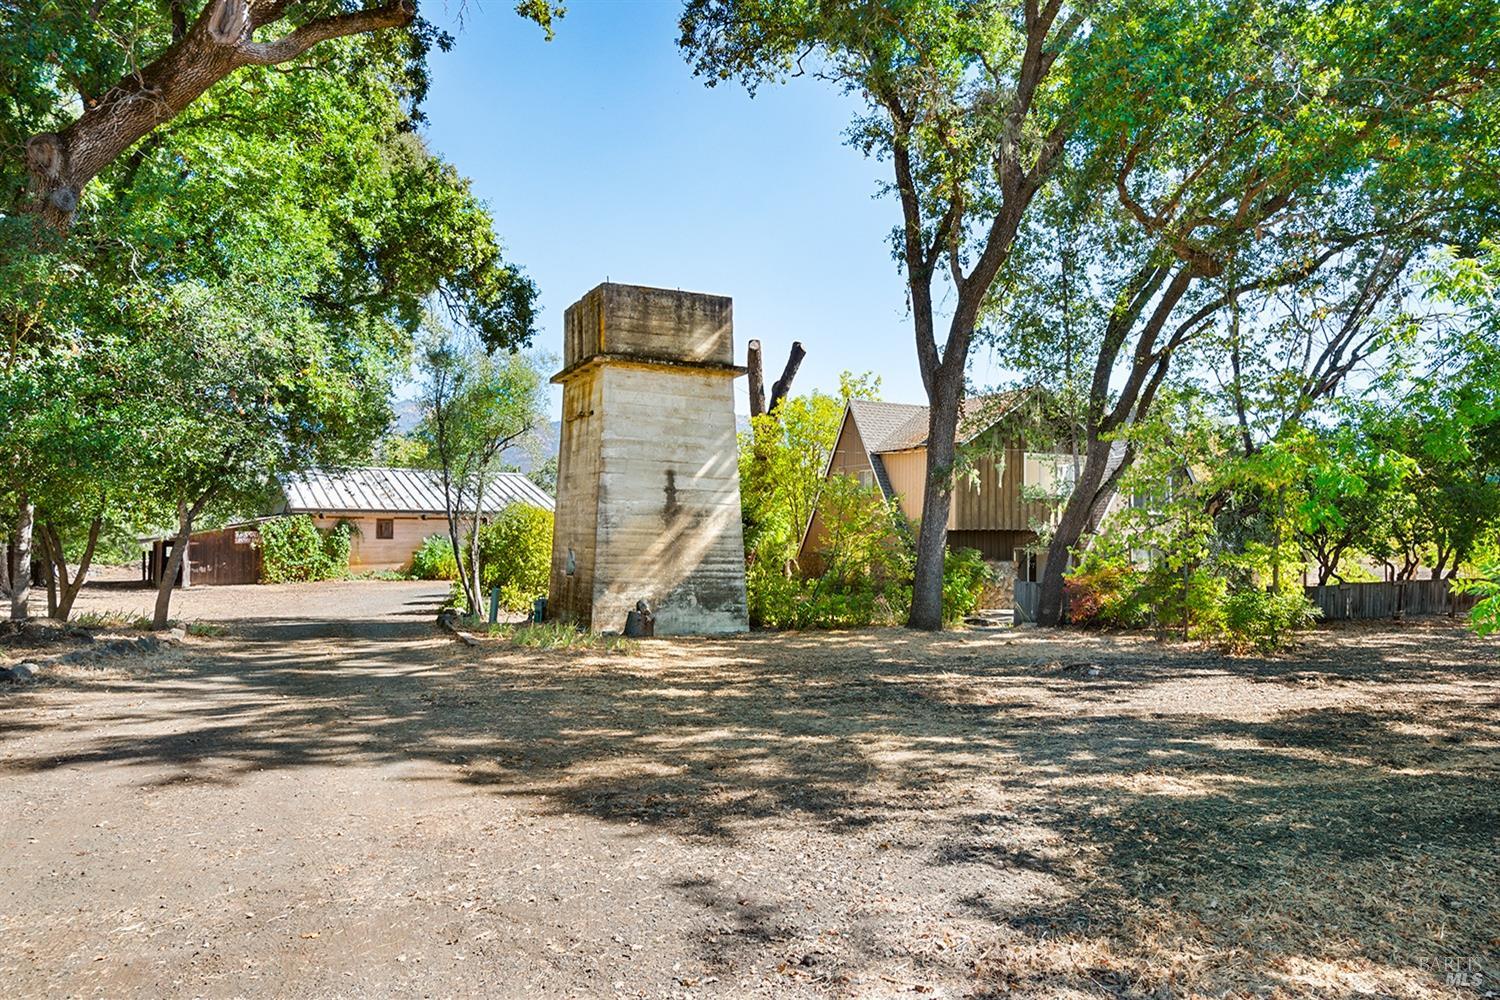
x=433 y=559
x=294 y=550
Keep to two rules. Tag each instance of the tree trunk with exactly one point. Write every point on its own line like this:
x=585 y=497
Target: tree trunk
x=937 y=500
x=177 y=559
x=755 y=366
x=783 y=386
x=49 y=573
x=1075 y=521
x=20 y=559
x=455 y=539
x=69 y=586
x=476 y=585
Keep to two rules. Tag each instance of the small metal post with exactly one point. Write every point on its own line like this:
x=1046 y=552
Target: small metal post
x=494 y=605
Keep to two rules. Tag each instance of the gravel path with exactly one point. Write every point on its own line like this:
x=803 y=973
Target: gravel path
x=357 y=806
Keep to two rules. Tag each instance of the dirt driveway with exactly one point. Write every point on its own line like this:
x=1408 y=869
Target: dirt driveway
x=372 y=810
x=118 y=592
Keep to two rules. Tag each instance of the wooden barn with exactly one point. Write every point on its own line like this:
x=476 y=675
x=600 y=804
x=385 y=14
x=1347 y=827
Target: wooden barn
x=393 y=510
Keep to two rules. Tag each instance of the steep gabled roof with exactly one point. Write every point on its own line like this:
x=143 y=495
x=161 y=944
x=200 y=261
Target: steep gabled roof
x=879 y=423
x=379 y=490
x=975 y=416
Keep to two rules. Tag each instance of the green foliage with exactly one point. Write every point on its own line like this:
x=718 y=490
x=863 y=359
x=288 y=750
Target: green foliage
x=1106 y=589
x=403 y=451
x=207 y=630
x=108 y=619
x=474 y=405
x=965 y=577
x=433 y=559
x=782 y=459
x=1483 y=580
x=515 y=554
x=864 y=548
x=861 y=542
x=294 y=550
x=544 y=474
x=1172 y=562
x=1264 y=622
x=238 y=294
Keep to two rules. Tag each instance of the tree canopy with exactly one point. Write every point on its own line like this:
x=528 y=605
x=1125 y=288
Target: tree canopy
x=239 y=296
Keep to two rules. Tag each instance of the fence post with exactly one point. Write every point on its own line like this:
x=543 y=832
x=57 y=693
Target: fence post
x=494 y=605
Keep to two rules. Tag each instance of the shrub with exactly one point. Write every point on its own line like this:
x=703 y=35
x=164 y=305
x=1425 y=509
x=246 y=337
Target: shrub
x=109 y=619
x=781 y=601
x=1485 y=618
x=868 y=576
x=515 y=554
x=1106 y=590
x=965 y=577
x=293 y=549
x=433 y=559
x=1264 y=622
x=867 y=567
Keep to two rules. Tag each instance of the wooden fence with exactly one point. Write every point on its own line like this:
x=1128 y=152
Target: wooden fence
x=1341 y=602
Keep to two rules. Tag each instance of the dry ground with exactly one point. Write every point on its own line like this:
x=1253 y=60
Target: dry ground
x=328 y=806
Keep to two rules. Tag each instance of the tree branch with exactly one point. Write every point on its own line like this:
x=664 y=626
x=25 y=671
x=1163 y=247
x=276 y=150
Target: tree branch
x=299 y=41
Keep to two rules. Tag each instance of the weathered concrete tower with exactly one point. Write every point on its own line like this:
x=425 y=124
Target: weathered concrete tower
x=648 y=491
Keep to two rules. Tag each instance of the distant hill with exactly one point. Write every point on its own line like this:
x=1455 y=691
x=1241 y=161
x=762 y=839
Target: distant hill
x=542 y=445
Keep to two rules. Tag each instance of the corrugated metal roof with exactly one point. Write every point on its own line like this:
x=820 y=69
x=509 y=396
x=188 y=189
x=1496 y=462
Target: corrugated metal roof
x=375 y=489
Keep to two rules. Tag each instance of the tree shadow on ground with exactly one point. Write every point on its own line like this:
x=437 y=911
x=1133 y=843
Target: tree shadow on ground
x=1198 y=824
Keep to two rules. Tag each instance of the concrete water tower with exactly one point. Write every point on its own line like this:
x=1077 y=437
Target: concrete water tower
x=648 y=490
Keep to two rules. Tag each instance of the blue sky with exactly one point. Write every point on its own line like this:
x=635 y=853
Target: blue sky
x=602 y=157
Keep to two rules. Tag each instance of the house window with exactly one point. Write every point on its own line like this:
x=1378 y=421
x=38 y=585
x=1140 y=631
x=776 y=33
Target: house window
x=867 y=478
x=1050 y=474
x=385 y=527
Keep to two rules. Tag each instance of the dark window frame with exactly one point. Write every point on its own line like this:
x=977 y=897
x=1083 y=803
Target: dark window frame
x=385 y=528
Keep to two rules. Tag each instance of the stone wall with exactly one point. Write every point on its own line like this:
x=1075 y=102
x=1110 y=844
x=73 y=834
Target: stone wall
x=648 y=504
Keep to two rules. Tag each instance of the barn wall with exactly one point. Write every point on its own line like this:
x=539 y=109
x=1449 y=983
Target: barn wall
x=223 y=556
x=366 y=552
x=993 y=504
x=849 y=456
x=997 y=504
x=996 y=546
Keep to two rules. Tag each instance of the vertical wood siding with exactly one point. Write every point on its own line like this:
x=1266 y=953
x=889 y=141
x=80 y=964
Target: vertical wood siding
x=996 y=502
x=220 y=557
